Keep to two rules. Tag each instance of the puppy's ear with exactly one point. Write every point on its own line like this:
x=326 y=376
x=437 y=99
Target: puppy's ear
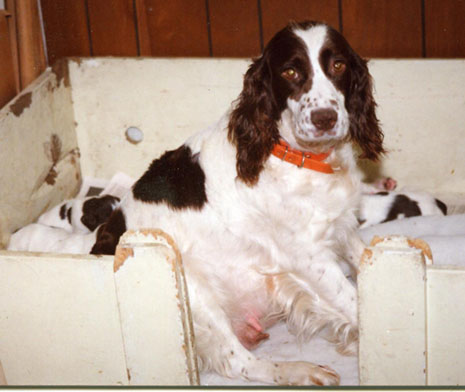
x=364 y=125
x=108 y=234
x=252 y=124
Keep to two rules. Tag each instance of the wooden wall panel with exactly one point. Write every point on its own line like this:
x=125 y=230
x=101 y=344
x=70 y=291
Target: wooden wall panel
x=65 y=25
x=113 y=28
x=7 y=79
x=445 y=28
x=277 y=13
x=383 y=28
x=235 y=30
x=240 y=28
x=31 y=51
x=173 y=28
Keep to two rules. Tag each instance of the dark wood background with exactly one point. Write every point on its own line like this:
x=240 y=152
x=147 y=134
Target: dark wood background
x=213 y=28
x=240 y=28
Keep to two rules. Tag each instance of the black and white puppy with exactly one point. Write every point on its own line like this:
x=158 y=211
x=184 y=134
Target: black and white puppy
x=386 y=206
x=66 y=228
x=80 y=215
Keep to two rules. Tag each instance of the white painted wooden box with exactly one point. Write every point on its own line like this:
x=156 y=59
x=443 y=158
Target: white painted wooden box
x=90 y=320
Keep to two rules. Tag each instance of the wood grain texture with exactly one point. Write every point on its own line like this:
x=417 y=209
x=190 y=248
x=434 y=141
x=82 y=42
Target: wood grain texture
x=445 y=28
x=235 y=30
x=383 y=28
x=65 y=26
x=113 y=28
x=11 y=9
x=31 y=49
x=7 y=80
x=172 y=28
x=277 y=13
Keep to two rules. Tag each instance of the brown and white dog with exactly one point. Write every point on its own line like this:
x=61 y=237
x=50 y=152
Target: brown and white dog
x=262 y=206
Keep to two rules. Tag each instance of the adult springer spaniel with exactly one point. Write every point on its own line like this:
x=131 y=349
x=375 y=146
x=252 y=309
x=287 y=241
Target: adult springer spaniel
x=262 y=206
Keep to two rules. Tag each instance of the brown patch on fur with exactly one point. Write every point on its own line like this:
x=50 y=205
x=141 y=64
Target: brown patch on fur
x=21 y=103
x=269 y=284
x=253 y=125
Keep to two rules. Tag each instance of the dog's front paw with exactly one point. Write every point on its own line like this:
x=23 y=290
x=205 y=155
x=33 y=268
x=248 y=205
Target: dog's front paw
x=305 y=373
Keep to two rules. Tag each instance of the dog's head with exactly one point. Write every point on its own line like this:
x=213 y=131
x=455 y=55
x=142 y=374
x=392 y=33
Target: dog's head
x=310 y=88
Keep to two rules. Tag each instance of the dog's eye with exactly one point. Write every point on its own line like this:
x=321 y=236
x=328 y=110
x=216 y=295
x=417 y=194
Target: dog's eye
x=338 y=67
x=290 y=74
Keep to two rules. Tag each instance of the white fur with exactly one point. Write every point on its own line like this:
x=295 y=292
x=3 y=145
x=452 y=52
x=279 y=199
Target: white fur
x=52 y=217
x=257 y=254
x=40 y=238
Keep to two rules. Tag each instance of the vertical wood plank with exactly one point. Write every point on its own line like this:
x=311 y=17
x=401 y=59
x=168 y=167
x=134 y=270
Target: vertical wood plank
x=7 y=80
x=445 y=28
x=11 y=9
x=235 y=28
x=277 y=13
x=383 y=28
x=30 y=44
x=113 y=28
x=143 y=33
x=65 y=26
x=172 y=28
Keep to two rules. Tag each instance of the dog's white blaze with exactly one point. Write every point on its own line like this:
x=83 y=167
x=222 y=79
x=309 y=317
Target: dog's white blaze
x=322 y=95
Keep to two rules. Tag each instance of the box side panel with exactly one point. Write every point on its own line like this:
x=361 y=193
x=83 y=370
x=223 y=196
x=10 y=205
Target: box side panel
x=446 y=318
x=167 y=99
x=154 y=311
x=38 y=147
x=59 y=321
x=391 y=289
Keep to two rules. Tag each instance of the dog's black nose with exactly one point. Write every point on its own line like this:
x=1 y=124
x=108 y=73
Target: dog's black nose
x=324 y=119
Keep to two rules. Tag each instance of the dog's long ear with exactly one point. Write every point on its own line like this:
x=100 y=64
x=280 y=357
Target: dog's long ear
x=252 y=124
x=364 y=125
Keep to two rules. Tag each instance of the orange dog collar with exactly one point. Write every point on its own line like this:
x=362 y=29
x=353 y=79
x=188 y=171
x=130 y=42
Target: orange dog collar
x=308 y=160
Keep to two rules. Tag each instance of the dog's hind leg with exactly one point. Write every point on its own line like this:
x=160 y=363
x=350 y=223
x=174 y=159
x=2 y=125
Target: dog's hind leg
x=219 y=349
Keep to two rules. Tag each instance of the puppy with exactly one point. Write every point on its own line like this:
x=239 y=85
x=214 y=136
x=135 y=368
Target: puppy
x=41 y=238
x=387 y=206
x=80 y=215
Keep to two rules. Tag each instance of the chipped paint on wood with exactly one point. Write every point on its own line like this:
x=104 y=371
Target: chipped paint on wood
x=121 y=255
x=21 y=103
x=423 y=246
x=61 y=70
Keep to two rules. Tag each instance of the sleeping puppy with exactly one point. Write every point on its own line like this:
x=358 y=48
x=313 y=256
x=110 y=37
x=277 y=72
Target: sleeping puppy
x=385 y=206
x=80 y=215
x=40 y=238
